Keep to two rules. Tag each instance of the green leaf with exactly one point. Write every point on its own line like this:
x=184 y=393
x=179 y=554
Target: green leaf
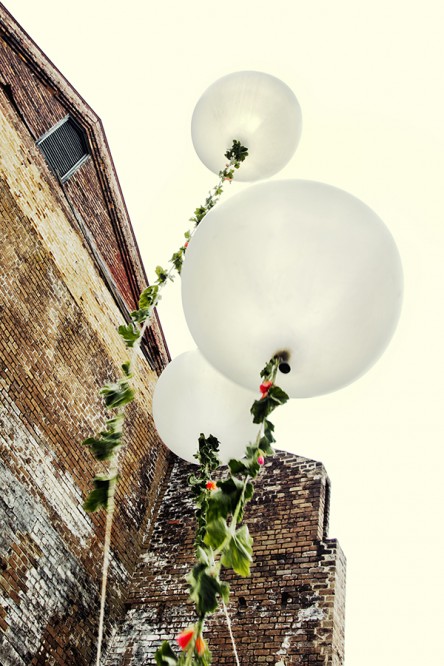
x=104 y=447
x=164 y=655
x=216 y=533
x=207 y=453
x=126 y=369
x=238 y=554
x=117 y=394
x=278 y=395
x=129 y=334
x=98 y=497
x=268 y=431
x=269 y=370
x=202 y=555
x=223 y=501
x=237 y=152
x=149 y=297
x=177 y=260
x=205 y=589
x=249 y=492
x=139 y=316
x=237 y=466
x=265 y=447
x=263 y=407
x=248 y=466
x=162 y=275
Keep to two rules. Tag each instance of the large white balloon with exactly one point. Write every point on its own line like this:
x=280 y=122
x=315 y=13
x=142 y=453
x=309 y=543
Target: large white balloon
x=191 y=397
x=294 y=266
x=258 y=110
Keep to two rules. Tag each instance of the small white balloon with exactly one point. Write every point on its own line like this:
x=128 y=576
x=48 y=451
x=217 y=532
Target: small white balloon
x=191 y=398
x=298 y=267
x=254 y=108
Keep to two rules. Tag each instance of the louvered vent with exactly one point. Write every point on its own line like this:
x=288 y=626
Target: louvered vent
x=65 y=147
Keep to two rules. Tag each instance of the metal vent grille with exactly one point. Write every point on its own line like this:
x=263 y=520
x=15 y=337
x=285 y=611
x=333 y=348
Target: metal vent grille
x=65 y=147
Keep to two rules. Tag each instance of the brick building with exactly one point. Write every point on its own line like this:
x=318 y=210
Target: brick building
x=70 y=274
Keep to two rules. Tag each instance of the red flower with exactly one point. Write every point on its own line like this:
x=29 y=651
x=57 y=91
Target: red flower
x=186 y=245
x=185 y=637
x=264 y=388
x=200 y=646
x=210 y=485
x=260 y=460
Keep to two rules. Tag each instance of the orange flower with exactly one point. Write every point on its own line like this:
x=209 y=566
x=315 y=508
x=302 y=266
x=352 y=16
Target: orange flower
x=200 y=646
x=185 y=637
x=210 y=485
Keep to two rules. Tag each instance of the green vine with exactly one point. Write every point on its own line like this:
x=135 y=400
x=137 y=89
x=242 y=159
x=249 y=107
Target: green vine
x=117 y=395
x=220 y=541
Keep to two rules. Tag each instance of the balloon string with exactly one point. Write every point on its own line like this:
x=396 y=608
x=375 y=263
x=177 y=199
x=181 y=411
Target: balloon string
x=106 y=554
x=233 y=642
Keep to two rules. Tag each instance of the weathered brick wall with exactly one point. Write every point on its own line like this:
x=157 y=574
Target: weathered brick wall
x=42 y=97
x=292 y=606
x=58 y=345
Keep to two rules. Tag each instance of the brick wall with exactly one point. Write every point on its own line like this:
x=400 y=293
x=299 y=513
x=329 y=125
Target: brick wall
x=58 y=345
x=41 y=97
x=292 y=606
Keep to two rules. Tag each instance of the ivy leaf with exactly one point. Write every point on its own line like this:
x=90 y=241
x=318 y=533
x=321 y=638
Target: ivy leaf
x=164 y=655
x=129 y=334
x=126 y=369
x=207 y=453
x=177 y=259
x=139 y=316
x=278 y=395
x=98 y=497
x=162 y=275
x=248 y=494
x=223 y=501
x=268 y=431
x=263 y=407
x=265 y=446
x=117 y=394
x=205 y=589
x=238 y=554
x=216 y=533
x=202 y=555
x=149 y=297
x=268 y=370
x=237 y=467
x=237 y=152
x=103 y=447
x=249 y=466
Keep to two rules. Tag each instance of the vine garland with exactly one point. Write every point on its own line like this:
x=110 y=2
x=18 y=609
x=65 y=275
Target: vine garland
x=220 y=505
x=220 y=542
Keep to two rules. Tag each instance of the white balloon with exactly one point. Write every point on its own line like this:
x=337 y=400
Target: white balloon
x=191 y=397
x=258 y=110
x=294 y=266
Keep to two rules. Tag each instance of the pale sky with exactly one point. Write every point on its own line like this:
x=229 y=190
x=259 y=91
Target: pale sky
x=369 y=79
